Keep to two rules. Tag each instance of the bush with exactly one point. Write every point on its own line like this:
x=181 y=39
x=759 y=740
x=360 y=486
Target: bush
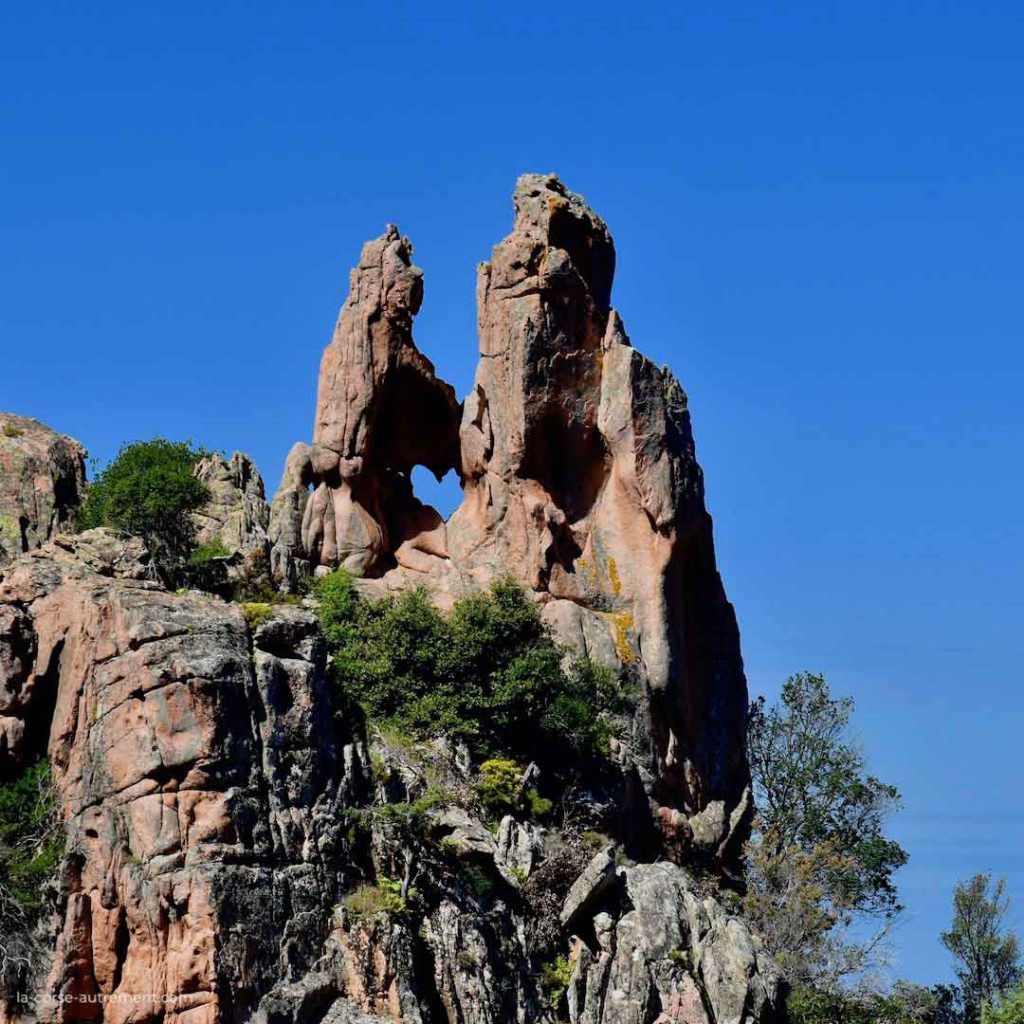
x=499 y=785
x=149 y=491
x=1009 y=1010
x=487 y=673
x=385 y=897
x=209 y=552
x=31 y=846
x=554 y=981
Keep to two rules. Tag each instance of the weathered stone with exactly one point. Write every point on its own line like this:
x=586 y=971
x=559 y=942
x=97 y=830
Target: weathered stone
x=42 y=475
x=380 y=411
x=596 y=879
x=578 y=465
x=237 y=514
x=673 y=956
x=201 y=779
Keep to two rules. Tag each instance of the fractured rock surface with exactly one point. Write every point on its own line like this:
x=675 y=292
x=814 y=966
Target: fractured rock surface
x=235 y=830
x=580 y=479
x=42 y=474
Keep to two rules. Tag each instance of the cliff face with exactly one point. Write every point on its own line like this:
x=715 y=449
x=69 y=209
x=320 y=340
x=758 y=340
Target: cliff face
x=233 y=825
x=41 y=479
x=577 y=461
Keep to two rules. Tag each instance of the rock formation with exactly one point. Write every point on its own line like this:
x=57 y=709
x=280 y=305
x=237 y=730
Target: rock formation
x=41 y=480
x=237 y=515
x=577 y=461
x=243 y=846
x=380 y=411
x=201 y=775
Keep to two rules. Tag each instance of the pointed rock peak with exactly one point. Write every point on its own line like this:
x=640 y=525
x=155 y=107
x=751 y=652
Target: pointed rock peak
x=549 y=213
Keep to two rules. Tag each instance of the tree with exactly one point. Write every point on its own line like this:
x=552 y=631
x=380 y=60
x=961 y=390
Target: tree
x=149 y=491
x=1009 y=1010
x=987 y=954
x=819 y=860
x=487 y=673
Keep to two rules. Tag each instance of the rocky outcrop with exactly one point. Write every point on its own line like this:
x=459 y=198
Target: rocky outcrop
x=347 y=499
x=577 y=460
x=673 y=955
x=242 y=847
x=233 y=834
x=200 y=771
x=42 y=475
x=236 y=515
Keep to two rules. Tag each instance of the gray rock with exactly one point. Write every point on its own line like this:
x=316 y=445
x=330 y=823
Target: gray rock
x=597 y=878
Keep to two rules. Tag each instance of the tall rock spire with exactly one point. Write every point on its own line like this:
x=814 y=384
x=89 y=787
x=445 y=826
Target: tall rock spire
x=380 y=411
x=580 y=480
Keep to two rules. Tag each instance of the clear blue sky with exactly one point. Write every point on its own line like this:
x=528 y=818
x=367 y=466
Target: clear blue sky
x=819 y=218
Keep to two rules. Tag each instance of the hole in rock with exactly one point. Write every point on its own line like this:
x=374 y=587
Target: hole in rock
x=445 y=495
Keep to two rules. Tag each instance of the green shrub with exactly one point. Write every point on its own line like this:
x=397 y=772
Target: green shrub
x=539 y=807
x=12 y=430
x=487 y=673
x=384 y=897
x=479 y=881
x=499 y=786
x=208 y=552
x=256 y=613
x=149 y=491
x=554 y=980
x=1009 y=1010
x=31 y=847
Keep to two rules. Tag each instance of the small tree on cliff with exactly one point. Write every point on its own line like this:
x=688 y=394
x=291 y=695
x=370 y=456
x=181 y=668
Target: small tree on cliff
x=987 y=953
x=149 y=491
x=819 y=860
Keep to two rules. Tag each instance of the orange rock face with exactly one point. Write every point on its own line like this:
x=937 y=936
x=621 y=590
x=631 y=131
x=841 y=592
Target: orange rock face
x=580 y=479
x=380 y=411
x=197 y=771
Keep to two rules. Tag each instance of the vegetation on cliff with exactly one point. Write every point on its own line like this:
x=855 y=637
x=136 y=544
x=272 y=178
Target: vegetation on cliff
x=149 y=490
x=31 y=845
x=487 y=673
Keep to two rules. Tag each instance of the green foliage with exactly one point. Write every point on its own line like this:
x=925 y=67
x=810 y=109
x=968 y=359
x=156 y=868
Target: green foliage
x=148 y=491
x=12 y=430
x=487 y=673
x=1009 y=1010
x=554 y=980
x=256 y=613
x=384 y=897
x=479 y=881
x=30 y=844
x=499 y=786
x=812 y=786
x=819 y=860
x=209 y=552
x=336 y=610
x=31 y=847
x=905 y=1004
x=987 y=953
x=539 y=807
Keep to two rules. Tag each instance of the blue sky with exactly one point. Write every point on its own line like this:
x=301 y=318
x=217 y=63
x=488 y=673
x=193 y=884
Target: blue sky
x=818 y=214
